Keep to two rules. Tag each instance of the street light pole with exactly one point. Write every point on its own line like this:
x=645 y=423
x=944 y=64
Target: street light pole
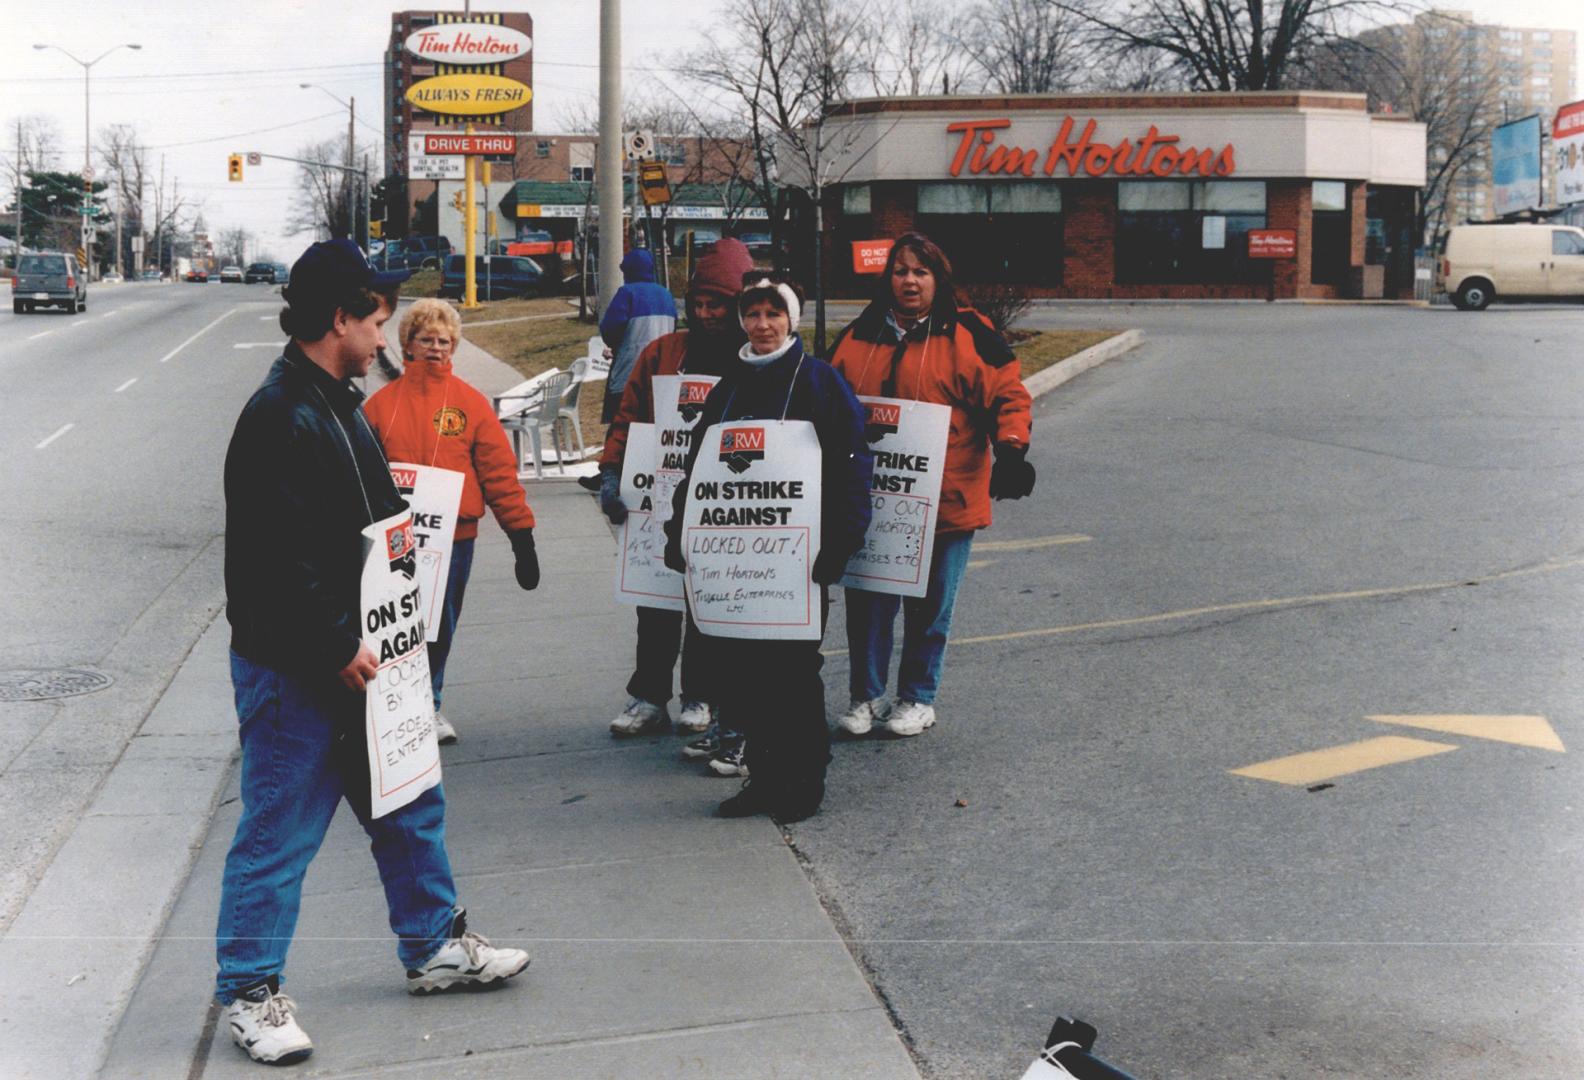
x=87 y=66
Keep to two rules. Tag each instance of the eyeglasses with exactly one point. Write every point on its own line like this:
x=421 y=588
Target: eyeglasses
x=434 y=342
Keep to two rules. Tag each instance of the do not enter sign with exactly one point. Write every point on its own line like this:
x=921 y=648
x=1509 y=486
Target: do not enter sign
x=869 y=256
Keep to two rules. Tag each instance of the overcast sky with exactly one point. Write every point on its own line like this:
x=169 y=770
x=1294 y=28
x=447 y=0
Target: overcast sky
x=218 y=76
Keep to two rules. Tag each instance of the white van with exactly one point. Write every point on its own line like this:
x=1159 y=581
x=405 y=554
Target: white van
x=1513 y=262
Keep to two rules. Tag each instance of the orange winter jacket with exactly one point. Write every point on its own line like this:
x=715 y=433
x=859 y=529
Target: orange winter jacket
x=958 y=360
x=665 y=355
x=430 y=417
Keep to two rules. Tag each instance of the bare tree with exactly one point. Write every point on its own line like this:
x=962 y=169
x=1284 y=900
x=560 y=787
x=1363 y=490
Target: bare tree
x=913 y=49
x=1440 y=71
x=126 y=169
x=327 y=198
x=1027 y=46
x=1223 y=44
x=232 y=245
x=783 y=65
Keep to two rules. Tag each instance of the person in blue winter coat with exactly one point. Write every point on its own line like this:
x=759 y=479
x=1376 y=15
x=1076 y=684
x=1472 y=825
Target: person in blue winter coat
x=640 y=311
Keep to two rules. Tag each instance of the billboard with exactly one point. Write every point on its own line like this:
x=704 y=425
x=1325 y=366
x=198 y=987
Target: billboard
x=1515 y=165
x=1567 y=150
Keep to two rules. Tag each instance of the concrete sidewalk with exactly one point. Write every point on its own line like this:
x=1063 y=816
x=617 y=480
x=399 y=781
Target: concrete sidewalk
x=666 y=942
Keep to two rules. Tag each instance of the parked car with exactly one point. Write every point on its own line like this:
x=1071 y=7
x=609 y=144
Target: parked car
x=282 y=273
x=257 y=272
x=231 y=274
x=151 y=274
x=1513 y=262
x=415 y=253
x=112 y=278
x=504 y=277
x=49 y=279
x=758 y=244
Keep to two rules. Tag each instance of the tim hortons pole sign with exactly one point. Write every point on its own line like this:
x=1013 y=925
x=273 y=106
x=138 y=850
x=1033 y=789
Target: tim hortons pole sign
x=1151 y=154
x=468 y=43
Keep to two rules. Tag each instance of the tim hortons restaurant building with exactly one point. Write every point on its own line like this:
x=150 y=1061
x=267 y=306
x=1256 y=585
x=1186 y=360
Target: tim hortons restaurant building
x=1216 y=195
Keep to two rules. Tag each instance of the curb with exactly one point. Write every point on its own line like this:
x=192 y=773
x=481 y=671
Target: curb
x=1043 y=382
x=76 y=952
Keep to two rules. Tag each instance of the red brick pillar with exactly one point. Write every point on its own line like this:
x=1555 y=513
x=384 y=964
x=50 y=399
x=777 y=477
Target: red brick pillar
x=1089 y=228
x=1288 y=206
x=891 y=208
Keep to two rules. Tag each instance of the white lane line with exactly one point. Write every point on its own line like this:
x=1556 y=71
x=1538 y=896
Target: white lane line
x=63 y=430
x=45 y=333
x=126 y=384
x=257 y=345
x=267 y=318
x=195 y=337
x=107 y=314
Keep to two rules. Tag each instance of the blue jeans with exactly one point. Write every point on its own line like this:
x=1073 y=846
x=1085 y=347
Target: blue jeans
x=871 y=619
x=450 y=612
x=292 y=781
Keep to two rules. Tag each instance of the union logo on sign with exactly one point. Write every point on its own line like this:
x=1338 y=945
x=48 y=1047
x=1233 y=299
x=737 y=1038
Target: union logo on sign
x=740 y=447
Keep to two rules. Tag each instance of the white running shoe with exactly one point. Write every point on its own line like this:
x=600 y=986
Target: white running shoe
x=639 y=718
x=444 y=731
x=466 y=959
x=694 y=717
x=863 y=716
x=262 y=1024
x=910 y=718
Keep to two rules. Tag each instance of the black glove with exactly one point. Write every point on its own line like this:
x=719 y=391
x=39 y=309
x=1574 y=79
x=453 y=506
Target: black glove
x=673 y=551
x=610 y=496
x=828 y=569
x=522 y=543
x=1012 y=477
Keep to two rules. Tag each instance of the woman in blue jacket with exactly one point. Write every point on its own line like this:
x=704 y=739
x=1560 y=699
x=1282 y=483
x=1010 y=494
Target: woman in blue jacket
x=770 y=690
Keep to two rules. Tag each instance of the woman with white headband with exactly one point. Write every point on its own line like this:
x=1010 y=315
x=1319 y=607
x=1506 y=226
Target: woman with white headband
x=771 y=689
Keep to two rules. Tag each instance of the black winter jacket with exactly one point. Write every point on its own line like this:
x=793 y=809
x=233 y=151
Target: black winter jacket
x=822 y=397
x=303 y=476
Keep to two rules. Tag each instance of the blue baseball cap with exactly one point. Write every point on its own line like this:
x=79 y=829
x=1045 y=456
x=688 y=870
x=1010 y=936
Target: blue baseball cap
x=331 y=267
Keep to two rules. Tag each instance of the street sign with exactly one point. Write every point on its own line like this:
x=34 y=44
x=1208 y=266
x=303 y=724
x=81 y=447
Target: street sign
x=421 y=166
x=468 y=43
x=1273 y=243
x=639 y=145
x=469 y=95
x=502 y=145
x=87 y=172
x=255 y=158
x=653 y=184
x=869 y=256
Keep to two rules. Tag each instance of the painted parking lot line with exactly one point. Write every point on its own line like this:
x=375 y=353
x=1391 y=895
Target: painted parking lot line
x=1531 y=731
x=1316 y=766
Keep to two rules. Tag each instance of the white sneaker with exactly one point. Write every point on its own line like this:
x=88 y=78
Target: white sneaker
x=261 y=1023
x=694 y=717
x=639 y=718
x=910 y=718
x=444 y=731
x=466 y=960
x=863 y=715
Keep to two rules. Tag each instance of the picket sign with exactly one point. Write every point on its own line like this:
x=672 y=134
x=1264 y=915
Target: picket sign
x=433 y=495
x=403 y=752
x=753 y=523
x=909 y=443
x=678 y=404
x=641 y=574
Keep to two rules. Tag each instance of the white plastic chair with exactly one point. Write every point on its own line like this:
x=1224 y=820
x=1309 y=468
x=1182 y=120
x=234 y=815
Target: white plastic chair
x=569 y=404
x=545 y=412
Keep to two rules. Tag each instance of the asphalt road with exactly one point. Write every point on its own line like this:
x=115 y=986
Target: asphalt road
x=112 y=425
x=1261 y=529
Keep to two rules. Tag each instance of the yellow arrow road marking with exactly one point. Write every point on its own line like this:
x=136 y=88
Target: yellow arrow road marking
x=1316 y=765
x=1532 y=731
x=1032 y=543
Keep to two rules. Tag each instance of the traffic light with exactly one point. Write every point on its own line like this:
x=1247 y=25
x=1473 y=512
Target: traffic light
x=459 y=199
x=235 y=163
x=376 y=229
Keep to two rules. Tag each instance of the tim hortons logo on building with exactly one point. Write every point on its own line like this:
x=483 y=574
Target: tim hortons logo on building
x=880 y=420
x=401 y=549
x=1154 y=154
x=690 y=399
x=740 y=447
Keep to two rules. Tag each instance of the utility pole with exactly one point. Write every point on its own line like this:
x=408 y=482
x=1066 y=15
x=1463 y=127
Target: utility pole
x=17 y=254
x=608 y=172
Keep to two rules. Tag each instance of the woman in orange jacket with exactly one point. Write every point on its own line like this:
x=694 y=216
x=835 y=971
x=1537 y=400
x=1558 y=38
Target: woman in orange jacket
x=429 y=416
x=915 y=342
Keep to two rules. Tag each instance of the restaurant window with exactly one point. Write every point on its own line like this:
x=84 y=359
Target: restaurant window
x=1331 y=251
x=996 y=232
x=1172 y=232
x=856 y=200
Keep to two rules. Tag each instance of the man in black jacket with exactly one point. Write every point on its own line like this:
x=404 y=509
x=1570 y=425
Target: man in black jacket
x=304 y=476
